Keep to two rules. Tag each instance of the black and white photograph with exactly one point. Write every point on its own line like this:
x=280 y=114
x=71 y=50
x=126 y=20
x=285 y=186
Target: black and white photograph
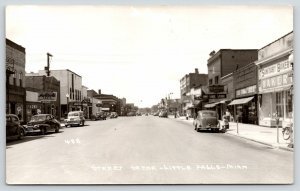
x=149 y=94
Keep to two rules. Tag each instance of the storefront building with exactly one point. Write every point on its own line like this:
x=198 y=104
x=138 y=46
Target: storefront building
x=220 y=67
x=33 y=106
x=15 y=70
x=188 y=85
x=194 y=101
x=275 y=82
x=43 y=95
x=246 y=99
x=106 y=102
x=70 y=95
x=227 y=82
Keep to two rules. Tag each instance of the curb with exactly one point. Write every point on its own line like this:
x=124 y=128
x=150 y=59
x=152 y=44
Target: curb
x=257 y=141
x=264 y=143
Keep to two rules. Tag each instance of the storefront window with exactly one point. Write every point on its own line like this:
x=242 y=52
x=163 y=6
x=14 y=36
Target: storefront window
x=279 y=104
x=288 y=104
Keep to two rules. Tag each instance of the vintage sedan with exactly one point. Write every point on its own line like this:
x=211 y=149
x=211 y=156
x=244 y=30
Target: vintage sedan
x=42 y=123
x=206 y=120
x=75 y=118
x=113 y=115
x=13 y=128
x=99 y=116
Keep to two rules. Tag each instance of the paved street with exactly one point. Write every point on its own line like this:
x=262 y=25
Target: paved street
x=143 y=150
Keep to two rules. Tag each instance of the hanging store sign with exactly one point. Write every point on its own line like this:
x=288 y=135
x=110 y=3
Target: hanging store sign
x=47 y=96
x=77 y=104
x=216 y=88
x=213 y=96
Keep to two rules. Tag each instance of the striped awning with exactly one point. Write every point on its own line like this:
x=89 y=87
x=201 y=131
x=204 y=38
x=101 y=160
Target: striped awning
x=241 y=101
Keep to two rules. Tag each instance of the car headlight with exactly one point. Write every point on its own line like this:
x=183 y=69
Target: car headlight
x=36 y=126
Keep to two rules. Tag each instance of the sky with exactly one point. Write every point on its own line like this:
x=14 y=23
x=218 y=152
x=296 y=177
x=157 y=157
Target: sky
x=139 y=52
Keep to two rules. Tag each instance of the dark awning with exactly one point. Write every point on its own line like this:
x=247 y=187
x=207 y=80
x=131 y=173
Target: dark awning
x=241 y=101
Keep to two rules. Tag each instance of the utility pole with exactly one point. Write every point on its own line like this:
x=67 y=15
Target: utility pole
x=47 y=68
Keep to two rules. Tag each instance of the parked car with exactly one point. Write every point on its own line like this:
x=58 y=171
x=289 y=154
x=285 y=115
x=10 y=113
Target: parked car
x=42 y=123
x=113 y=115
x=206 y=120
x=14 y=129
x=163 y=114
x=75 y=118
x=131 y=114
x=99 y=116
x=156 y=113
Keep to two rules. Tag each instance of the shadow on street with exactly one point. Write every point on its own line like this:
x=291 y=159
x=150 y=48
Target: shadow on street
x=32 y=137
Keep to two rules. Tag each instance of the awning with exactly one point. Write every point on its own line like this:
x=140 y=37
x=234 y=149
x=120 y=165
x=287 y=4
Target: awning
x=224 y=101
x=210 y=105
x=241 y=101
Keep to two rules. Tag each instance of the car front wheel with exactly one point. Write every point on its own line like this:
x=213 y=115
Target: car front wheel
x=56 y=129
x=21 y=134
x=43 y=130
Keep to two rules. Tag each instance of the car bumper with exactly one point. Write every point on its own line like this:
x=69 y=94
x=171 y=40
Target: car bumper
x=209 y=127
x=32 y=129
x=73 y=123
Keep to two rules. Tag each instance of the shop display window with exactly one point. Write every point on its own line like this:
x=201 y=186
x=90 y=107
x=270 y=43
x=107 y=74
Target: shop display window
x=289 y=104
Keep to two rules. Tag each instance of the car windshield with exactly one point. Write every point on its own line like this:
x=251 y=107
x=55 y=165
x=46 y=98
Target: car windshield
x=209 y=114
x=38 y=118
x=73 y=114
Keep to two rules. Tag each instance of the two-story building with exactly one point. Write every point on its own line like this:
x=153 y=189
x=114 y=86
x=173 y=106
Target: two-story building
x=221 y=65
x=42 y=95
x=15 y=72
x=71 y=96
x=190 y=82
x=105 y=102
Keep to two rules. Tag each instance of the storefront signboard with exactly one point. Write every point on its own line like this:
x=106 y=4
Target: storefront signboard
x=275 y=69
x=276 y=81
x=246 y=91
x=216 y=88
x=47 y=96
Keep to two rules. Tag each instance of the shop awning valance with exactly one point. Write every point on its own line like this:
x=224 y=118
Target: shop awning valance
x=241 y=101
x=210 y=105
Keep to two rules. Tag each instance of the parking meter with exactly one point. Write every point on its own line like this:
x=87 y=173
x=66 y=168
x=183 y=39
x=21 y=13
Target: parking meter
x=277 y=125
x=277 y=119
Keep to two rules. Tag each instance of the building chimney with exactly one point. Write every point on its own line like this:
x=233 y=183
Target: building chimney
x=99 y=91
x=196 y=71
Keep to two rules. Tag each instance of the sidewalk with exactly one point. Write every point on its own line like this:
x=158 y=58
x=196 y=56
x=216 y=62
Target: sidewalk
x=263 y=135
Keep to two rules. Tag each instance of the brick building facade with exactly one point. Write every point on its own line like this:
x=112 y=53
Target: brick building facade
x=15 y=72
